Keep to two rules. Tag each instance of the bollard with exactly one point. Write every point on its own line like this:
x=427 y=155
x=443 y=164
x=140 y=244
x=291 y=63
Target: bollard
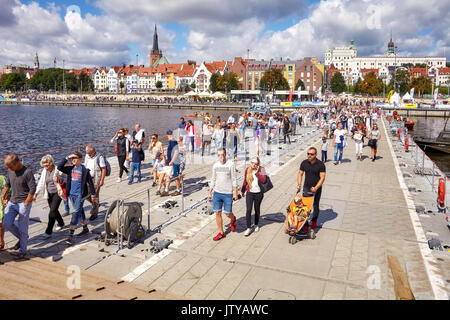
x=406 y=144
x=182 y=194
x=399 y=133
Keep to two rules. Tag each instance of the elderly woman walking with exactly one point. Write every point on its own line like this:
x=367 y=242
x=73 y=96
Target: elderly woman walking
x=254 y=175
x=47 y=185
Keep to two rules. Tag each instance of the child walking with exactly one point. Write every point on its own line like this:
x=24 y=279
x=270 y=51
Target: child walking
x=135 y=161
x=324 y=149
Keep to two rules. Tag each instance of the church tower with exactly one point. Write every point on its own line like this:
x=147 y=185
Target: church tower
x=391 y=47
x=36 y=61
x=155 y=54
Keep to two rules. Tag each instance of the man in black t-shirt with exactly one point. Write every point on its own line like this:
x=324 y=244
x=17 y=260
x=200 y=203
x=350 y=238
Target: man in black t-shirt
x=315 y=171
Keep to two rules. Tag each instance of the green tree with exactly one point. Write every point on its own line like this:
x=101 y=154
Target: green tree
x=159 y=84
x=273 y=79
x=121 y=85
x=421 y=85
x=402 y=78
x=371 y=84
x=338 y=83
x=213 y=82
x=193 y=85
x=227 y=82
x=356 y=86
x=300 y=83
x=85 y=82
x=13 y=81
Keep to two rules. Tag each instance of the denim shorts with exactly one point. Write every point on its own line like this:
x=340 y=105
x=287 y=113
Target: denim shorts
x=176 y=170
x=220 y=200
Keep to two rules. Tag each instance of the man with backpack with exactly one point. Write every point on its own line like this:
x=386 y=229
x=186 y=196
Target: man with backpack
x=98 y=167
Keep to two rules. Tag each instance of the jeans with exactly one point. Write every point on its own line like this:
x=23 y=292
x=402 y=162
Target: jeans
x=338 y=148
x=53 y=202
x=21 y=232
x=191 y=140
x=218 y=143
x=66 y=205
x=78 y=210
x=250 y=199
x=135 y=166
x=324 y=155
x=222 y=200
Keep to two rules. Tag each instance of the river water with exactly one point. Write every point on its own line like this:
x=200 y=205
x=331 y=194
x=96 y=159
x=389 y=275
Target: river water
x=34 y=129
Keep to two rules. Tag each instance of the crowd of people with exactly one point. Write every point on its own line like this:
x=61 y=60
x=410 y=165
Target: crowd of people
x=73 y=180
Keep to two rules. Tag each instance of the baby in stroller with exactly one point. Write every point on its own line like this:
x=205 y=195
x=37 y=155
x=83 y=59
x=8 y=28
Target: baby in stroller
x=297 y=215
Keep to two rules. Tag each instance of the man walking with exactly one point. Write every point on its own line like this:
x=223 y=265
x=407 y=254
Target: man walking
x=78 y=180
x=314 y=171
x=224 y=185
x=23 y=184
x=97 y=168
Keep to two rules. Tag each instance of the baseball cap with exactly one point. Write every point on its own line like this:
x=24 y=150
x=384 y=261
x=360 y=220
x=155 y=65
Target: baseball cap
x=169 y=132
x=298 y=200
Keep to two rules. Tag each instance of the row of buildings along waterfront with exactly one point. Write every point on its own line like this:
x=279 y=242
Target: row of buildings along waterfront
x=345 y=60
x=160 y=74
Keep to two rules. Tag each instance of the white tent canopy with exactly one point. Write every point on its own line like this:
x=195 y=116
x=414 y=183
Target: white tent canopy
x=204 y=94
x=395 y=98
x=190 y=93
x=218 y=94
x=406 y=97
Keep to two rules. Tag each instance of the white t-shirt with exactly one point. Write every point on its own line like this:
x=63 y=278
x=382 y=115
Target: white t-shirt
x=324 y=146
x=339 y=133
x=92 y=164
x=231 y=119
x=255 y=186
x=159 y=166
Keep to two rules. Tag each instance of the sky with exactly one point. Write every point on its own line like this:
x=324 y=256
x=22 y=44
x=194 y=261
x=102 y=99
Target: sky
x=90 y=33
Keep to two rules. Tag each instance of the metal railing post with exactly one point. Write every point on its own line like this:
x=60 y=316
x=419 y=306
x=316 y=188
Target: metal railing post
x=432 y=178
x=148 y=211
x=182 y=194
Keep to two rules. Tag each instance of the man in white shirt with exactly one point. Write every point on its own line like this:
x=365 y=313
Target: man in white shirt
x=338 y=143
x=224 y=185
x=97 y=167
x=231 y=119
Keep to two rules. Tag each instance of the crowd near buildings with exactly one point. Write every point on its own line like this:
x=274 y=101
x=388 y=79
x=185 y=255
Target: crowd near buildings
x=161 y=75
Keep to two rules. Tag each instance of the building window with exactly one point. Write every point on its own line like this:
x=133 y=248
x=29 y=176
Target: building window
x=308 y=74
x=302 y=75
x=290 y=68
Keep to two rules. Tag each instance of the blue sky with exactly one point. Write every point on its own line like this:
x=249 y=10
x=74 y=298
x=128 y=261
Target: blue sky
x=109 y=32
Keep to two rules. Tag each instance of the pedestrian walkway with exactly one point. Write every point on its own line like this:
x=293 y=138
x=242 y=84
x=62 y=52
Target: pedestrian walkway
x=364 y=219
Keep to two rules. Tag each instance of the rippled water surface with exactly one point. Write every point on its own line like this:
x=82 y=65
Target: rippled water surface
x=31 y=129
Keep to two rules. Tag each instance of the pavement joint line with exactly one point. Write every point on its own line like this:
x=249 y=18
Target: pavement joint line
x=385 y=235
x=72 y=249
x=437 y=283
x=266 y=267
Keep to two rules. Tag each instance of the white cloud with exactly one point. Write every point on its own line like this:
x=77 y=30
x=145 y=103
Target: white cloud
x=218 y=29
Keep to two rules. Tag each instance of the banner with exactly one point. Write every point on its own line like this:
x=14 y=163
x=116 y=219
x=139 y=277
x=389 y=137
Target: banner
x=435 y=95
x=286 y=104
x=410 y=105
x=389 y=96
x=291 y=91
x=412 y=94
x=319 y=94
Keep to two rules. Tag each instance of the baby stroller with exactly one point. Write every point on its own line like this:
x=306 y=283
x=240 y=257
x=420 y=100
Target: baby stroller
x=304 y=216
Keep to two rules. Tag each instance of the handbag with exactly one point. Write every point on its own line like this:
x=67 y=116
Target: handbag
x=372 y=142
x=265 y=186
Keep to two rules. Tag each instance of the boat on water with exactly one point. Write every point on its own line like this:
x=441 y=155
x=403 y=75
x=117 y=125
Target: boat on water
x=260 y=107
x=439 y=144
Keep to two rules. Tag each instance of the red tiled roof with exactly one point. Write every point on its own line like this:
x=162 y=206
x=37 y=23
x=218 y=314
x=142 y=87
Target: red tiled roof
x=444 y=70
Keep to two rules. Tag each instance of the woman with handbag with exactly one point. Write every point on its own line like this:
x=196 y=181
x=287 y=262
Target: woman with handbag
x=48 y=185
x=254 y=177
x=358 y=136
x=374 y=137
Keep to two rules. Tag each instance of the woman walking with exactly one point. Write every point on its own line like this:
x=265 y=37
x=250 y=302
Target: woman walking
x=207 y=131
x=358 y=136
x=191 y=134
x=122 y=150
x=254 y=175
x=218 y=136
x=154 y=147
x=48 y=186
x=233 y=136
x=374 y=137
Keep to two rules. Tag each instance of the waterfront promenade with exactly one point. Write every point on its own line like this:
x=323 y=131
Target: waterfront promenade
x=366 y=218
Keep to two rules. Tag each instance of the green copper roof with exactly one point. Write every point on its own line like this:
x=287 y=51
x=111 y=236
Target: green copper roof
x=162 y=60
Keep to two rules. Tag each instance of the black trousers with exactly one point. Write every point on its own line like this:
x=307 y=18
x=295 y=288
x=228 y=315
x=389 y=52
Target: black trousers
x=54 y=201
x=122 y=168
x=316 y=210
x=286 y=134
x=253 y=199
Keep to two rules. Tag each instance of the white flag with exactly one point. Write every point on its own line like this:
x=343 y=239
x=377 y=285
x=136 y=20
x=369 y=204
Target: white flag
x=435 y=95
x=412 y=94
x=319 y=94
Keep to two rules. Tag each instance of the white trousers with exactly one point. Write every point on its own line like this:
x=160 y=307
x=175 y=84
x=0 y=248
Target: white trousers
x=359 y=147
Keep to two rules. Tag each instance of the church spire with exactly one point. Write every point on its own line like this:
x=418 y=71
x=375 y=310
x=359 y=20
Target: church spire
x=155 y=48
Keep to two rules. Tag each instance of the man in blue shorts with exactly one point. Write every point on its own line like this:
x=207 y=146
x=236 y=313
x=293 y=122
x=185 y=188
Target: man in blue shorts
x=173 y=160
x=224 y=185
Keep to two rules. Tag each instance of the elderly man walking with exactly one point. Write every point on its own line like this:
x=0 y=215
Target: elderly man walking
x=97 y=167
x=23 y=184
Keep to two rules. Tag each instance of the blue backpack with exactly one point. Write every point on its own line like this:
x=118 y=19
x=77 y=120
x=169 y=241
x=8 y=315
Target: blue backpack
x=108 y=166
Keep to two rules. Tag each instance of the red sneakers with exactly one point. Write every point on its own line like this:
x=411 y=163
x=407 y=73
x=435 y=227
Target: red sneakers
x=314 y=225
x=219 y=236
x=233 y=225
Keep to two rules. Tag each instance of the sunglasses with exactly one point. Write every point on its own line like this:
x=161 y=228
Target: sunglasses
x=311 y=154
x=255 y=163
